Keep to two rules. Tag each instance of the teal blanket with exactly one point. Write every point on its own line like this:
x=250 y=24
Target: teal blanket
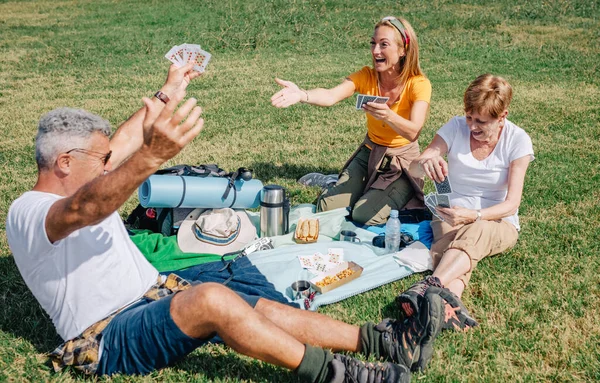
x=281 y=267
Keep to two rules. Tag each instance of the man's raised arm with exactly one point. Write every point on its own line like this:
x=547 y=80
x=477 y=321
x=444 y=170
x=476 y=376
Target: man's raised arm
x=129 y=137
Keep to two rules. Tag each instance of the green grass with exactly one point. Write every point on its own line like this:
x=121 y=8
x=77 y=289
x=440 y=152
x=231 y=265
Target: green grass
x=538 y=304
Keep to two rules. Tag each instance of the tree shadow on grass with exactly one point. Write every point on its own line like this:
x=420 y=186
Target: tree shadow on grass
x=268 y=171
x=20 y=313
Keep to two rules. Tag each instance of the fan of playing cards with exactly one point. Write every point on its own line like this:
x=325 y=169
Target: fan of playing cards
x=362 y=99
x=187 y=53
x=440 y=198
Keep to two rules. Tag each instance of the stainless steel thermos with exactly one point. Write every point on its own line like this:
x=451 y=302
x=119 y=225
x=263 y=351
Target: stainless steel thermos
x=274 y=211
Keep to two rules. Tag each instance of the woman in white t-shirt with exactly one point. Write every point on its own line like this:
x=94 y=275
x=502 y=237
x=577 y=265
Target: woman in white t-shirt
x=487 y=160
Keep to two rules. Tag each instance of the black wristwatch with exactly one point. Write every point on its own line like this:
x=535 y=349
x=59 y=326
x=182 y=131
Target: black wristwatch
x=162 y=97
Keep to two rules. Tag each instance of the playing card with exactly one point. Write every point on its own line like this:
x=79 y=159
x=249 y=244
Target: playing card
x=174 y=55
x=433 y=211
x=335 y=258
x=306 y=261
x=335 y=250
x=318 y=258
x=431 y=199
x=443 y=200
x=201 y=60
x=321 y=267
x=443 y=187
x=366 y=99
x=359 y=101
x=186 y=53
x=190 y=51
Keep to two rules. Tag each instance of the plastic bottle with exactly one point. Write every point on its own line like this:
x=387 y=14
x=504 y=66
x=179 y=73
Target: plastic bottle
x=392 y=233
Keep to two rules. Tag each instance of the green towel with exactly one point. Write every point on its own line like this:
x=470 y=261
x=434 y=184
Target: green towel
x=164 y=253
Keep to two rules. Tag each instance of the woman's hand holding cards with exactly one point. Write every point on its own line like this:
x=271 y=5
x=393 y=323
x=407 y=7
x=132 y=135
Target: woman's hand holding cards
x=380 y=111
x=457 y=215
x=435 y=168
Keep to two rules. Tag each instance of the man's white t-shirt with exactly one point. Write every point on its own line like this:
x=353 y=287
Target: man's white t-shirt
x=481 y=184
x=82 y=278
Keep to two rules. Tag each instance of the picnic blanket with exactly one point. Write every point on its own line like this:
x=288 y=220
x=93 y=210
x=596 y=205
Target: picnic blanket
x=281 y=267
x=270 y=273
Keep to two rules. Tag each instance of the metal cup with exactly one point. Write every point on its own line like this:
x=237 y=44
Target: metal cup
x=349 y=236
x=301 y=289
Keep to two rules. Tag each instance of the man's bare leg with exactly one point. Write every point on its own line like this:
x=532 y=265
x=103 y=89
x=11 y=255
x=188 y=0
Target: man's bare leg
x=210 y=308
x=310 y=327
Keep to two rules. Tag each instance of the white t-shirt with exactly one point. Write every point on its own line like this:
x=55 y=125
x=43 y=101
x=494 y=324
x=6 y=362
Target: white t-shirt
x=481 y=184
x=82 y=278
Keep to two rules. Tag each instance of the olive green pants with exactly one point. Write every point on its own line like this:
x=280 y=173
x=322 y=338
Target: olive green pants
x=372 y=207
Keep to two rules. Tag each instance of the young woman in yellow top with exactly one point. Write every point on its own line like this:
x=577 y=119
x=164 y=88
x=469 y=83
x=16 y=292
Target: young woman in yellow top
x=374 y=180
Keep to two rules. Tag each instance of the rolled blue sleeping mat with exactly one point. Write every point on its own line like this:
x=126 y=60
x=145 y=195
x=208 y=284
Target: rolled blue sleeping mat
x=198 y=192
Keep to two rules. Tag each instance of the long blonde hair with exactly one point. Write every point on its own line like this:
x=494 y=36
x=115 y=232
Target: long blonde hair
x=409 y=64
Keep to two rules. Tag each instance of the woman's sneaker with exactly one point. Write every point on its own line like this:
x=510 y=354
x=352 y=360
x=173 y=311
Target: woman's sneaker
x=318 y=179
x=351 y=370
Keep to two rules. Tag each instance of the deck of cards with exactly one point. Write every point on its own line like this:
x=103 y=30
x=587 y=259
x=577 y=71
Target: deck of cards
x=187 y=53
x=362 y=99
x=320 y=263
x=440 y=198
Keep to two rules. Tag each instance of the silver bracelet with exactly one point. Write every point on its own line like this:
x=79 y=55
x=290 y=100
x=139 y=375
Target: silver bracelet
x=306 y=93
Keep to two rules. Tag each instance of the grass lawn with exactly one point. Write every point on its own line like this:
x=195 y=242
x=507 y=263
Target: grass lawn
x=538 y=304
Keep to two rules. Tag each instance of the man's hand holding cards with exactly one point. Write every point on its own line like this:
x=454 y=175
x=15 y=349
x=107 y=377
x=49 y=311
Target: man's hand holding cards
x=189 y=53
x=362 y=99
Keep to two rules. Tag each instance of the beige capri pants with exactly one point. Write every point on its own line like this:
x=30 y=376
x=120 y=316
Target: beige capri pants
x=478 y=240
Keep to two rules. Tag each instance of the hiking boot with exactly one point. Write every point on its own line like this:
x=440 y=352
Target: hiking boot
x=432 y=309
x=409 y=301
x=351 y=370
x=401 y=340
x=318 y=179
x=456 y=315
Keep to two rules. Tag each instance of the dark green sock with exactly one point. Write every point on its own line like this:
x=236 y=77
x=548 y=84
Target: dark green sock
x=315 y=365
x=370 y=340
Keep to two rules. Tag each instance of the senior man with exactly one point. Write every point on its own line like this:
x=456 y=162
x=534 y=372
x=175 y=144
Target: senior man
x=116 y=313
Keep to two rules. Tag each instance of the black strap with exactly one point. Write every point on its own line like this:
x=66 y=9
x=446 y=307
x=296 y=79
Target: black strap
x=278 y=204
x=234 y=197
x=163 y=214
x=182 y=194
x=238 y=254
x=231 y=185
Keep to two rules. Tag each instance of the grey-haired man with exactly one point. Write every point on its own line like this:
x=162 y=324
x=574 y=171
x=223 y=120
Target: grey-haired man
x=113 y=309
